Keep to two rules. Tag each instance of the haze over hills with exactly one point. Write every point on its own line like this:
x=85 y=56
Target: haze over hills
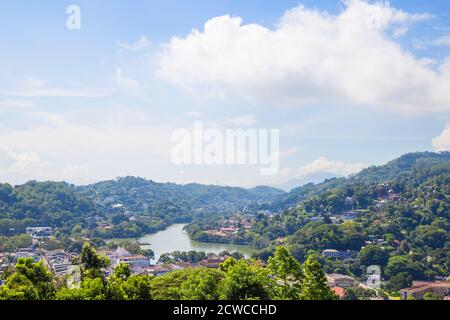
x=158 y=205
x=59 y=204
x=402 y=166
x=315 y=178
x=139 y=194
x=403 y=205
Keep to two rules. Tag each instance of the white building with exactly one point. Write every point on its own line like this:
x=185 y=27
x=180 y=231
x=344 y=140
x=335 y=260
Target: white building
x=39 y=232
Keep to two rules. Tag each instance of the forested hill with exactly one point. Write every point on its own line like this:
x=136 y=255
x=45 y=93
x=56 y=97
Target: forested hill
x=409 y=165
x=406 y=164
x=113 y=203
x=55 y=204
x=138 y=195
x=65 y=206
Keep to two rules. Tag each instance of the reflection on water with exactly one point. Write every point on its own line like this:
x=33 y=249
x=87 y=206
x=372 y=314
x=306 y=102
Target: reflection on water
x=175 y=239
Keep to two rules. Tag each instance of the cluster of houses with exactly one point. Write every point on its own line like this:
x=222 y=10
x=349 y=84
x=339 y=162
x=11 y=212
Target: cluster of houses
x=230 y=228
x=225 y=232
x=339 y=255
x=58 y=261
x=340 y=283
x=159 y=270
x=140 y=264
x=120 y=255
x=381 y=242
x=61 y=263
x=346 y=216
x=386 y=195
x=39 y=233
x=419 y=288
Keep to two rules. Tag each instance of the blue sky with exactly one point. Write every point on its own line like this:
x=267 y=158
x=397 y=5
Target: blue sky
x=348 y=83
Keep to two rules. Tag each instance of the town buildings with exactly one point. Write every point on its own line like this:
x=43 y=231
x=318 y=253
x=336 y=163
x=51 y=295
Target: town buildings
x=342 y=281
x=39 y=233
x=212 y=263
x=135 y=261
x=420 y=288
x=336 y=254
x=59 y=261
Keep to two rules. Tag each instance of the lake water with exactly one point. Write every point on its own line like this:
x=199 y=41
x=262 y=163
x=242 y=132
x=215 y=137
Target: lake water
x=174 y=238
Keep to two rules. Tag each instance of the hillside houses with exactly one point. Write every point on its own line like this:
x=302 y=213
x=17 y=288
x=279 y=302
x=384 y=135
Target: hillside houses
x=343 y=281
x=420 y=288
x=336 y=254
x=39 y=233
x=59 y=261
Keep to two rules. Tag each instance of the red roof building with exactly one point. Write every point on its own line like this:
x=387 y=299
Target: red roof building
x=340 y=292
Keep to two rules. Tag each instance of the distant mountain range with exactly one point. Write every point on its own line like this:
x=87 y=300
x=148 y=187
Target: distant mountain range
x=138 y=194
x=316 y=177
x=61 y=204
x=402 y=166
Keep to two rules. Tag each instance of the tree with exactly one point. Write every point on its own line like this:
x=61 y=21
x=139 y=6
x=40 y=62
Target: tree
x=167 y=287
x=315 y=283
x=432 y=296
x=373 y=255
x=93 y=289
x=287 y=270
x=39 y=275
x=122 y=271
x=398 y=264
x=124 y=286
x=18 y=287
x=400 y=281
x=202 y=284
x=227 y=264
x=137 y=287
x=247 y=281
x=30 y=281
x=92 y=263
x=359 y=294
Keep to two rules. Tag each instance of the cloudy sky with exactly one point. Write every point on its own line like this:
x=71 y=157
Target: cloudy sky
x=348 y=84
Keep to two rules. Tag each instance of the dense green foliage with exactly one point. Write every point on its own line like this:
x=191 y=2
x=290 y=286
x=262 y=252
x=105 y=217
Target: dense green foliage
x=407 y=165
x=405 y=204
x=9 y=244
x=401 y=222
x=31 y=281
x=126 y=208
x=235 y=280
x=42 y=204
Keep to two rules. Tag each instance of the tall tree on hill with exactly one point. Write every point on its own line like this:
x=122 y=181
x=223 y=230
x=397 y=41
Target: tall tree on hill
x=315 y=283
x=288 y=271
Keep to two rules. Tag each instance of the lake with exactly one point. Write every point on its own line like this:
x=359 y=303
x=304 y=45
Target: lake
x=174 y=238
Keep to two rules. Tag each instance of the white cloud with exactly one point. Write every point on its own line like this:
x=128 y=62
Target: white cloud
x=194 y=114
x=310 y=57
x=442 y=142
x=335 y=167
x=244 y=120
x=16 y=104
x=75 y=140
x=76 y=173
x=18 y=167
x=442 y=41
x=34 y=87
x=289 y=152
x=128 y=85
x=141 y=44
x=78 y=153
x=13 y=161
x=67 y=141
